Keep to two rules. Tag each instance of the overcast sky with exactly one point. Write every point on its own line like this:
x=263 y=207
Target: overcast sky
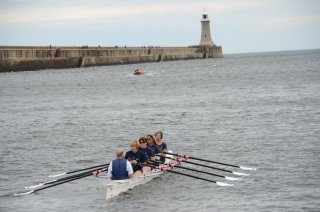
x=236 y=25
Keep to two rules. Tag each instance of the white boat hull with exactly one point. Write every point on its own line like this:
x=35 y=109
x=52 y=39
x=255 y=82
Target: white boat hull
x=116 y=187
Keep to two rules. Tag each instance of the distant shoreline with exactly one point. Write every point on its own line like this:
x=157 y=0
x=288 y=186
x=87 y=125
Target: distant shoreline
x=280 y=51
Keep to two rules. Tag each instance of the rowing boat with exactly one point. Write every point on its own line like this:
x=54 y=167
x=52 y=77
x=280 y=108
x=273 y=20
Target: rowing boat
x=116 y=187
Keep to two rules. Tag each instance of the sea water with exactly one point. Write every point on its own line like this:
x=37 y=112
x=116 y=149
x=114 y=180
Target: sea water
x=258 y=110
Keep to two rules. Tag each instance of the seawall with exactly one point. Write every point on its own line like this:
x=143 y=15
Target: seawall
x=37 y=58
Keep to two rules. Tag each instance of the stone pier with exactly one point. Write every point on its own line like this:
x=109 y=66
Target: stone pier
x=13 y=58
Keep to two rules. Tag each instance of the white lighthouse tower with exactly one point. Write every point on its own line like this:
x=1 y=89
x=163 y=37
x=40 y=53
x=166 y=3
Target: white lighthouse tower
x=205 y=31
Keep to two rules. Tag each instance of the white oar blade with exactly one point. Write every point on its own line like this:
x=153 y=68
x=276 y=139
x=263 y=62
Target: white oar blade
x=25 y=193
x=35 y=186
x=224 y=184
x=232 y=178
x=240 y=174
x=57 y=175
x=247 y=168
x=41 y=184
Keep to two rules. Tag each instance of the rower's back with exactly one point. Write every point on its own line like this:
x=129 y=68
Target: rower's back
x=120 y=168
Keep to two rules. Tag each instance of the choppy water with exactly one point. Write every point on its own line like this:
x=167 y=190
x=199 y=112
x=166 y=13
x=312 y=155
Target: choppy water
x=251 y=109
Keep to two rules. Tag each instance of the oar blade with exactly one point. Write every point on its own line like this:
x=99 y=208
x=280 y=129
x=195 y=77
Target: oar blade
x=23 y=193
x=41 y=184
x=34 y=186
x=58 y=175
x=248 y=168
x=240 y=174
x=232 y=178
x=224 y=184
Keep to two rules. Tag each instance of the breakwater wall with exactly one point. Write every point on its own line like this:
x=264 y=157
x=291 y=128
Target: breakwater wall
x=37 y=58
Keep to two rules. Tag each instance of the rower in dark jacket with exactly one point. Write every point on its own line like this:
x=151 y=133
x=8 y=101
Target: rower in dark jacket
x=161 y=145
x=136 y=157
x=148 y=152
x=152 y=144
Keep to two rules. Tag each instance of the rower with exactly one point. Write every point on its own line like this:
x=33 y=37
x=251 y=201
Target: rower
x=148 y=152
x=161 y=145
x=120 y=168
x=145 y=149
x=136 y=157
x=152 y=144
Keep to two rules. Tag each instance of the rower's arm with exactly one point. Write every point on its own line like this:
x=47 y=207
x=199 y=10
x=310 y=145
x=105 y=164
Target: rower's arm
x=129 y=170
x=109 y=173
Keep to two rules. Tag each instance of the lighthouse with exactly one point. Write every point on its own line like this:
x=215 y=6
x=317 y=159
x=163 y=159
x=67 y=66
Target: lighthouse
x=205 y=31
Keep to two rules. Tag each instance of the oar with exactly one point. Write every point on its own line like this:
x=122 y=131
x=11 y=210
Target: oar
x=79 y=170
x=186 y=156
x=59 y=183
x=61 y=179
x=179 y=160
x=172 y=165
x=189 y=175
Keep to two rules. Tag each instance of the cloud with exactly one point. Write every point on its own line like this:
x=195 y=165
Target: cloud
x=293 y=21
x=237 y=25
x=112 y=13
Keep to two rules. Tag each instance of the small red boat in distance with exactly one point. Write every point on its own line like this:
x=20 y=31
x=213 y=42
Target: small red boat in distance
x=138 y=72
